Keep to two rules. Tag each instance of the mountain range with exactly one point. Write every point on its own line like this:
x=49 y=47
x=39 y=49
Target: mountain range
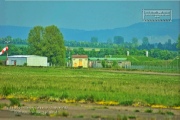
x=155 y=31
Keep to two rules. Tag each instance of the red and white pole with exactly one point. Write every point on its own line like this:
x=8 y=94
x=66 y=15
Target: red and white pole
x=4 y=50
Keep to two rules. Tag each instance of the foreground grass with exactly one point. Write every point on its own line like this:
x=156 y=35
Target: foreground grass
x=89 y=85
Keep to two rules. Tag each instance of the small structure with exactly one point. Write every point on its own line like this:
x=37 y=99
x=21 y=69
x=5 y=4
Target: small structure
x=146 y=53
x=29 y=60
x=127 y=53
x=97 y=62
x=80 y=61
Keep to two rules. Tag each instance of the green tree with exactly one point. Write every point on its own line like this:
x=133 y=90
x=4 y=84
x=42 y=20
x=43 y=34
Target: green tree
x=109 y=41
x=94 y=39
x=134 y=42
x=35 y=39
x=115 y=64
x=145 y=41
x=103 y=63
x=47 y=42
x=118 y=40
x=178 y=43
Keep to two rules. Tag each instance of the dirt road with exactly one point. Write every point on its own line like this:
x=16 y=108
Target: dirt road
x=89 y=111
x=143 y=72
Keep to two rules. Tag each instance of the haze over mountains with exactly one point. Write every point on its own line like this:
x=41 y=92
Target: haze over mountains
x=155 y=31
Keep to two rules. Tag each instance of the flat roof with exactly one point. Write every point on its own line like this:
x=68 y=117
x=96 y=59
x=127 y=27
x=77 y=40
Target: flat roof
x=110 y=59
x=79 y=56
x=23 y=56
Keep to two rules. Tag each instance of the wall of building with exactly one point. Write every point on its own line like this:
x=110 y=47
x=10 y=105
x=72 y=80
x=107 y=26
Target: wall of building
x=36 y=61
x=98 y=64
x=80 y=62
x=29 y=60
x=16 y=61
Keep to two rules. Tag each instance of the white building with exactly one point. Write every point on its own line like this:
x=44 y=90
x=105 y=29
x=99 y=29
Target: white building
x=29 y=60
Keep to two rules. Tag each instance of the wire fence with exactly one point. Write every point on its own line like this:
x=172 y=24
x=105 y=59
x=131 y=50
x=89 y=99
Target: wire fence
x=167 y=68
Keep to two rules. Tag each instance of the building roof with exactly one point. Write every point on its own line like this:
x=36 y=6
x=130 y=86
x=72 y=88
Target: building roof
x=23 y=56
x=109 y=59
x=79 y=56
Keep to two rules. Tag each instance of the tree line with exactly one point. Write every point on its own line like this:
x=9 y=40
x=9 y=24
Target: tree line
x=119 y=42
x=10 y=40
x=120 y=51
x=93 y=43
x=48 y=41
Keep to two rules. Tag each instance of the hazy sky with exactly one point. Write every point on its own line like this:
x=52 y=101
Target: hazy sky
x=80 y=14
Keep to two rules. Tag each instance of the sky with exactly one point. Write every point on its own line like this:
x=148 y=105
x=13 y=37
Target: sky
x=80 y=14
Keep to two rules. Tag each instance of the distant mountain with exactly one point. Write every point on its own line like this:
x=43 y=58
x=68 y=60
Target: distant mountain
x=155 y=31
x=14 y=31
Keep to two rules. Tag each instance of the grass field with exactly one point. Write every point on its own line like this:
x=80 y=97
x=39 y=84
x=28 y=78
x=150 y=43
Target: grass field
x=89 y=85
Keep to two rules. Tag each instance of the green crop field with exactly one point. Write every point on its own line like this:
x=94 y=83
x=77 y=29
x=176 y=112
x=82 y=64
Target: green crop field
x=89 y=85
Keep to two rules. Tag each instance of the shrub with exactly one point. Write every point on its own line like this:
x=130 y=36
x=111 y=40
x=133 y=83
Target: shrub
x=136 y=111
x=131 y=117
x=148 y=111
x=14 y=101
x=64 y=114
x=1 y=63
x=103 y=63
x=25 y=64
x=169 y=113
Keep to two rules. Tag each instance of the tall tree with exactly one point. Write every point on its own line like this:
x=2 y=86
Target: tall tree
x=94 y=39
x=48 y=42
x=134 y=42
x=145 y=41
x=178 y=43
x=118 y=40
x=109 y=41
x=35 y=39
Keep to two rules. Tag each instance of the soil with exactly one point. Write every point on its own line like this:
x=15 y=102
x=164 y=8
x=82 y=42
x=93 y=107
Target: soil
x=88 y=111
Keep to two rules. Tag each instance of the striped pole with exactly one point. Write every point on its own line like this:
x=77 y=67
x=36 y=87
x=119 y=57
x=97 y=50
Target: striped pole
x=4 y=50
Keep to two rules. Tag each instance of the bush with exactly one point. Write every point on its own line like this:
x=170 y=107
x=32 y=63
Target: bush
x=103 y=63
x=136 y=111
x=169 y=113
x=64 y=114
x=25 y=64
x=1 y=63
x=14 y=102
x=148 y=111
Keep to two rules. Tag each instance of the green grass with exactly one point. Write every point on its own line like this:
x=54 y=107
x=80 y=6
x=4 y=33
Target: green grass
x=3 y=57
x=89 y=84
